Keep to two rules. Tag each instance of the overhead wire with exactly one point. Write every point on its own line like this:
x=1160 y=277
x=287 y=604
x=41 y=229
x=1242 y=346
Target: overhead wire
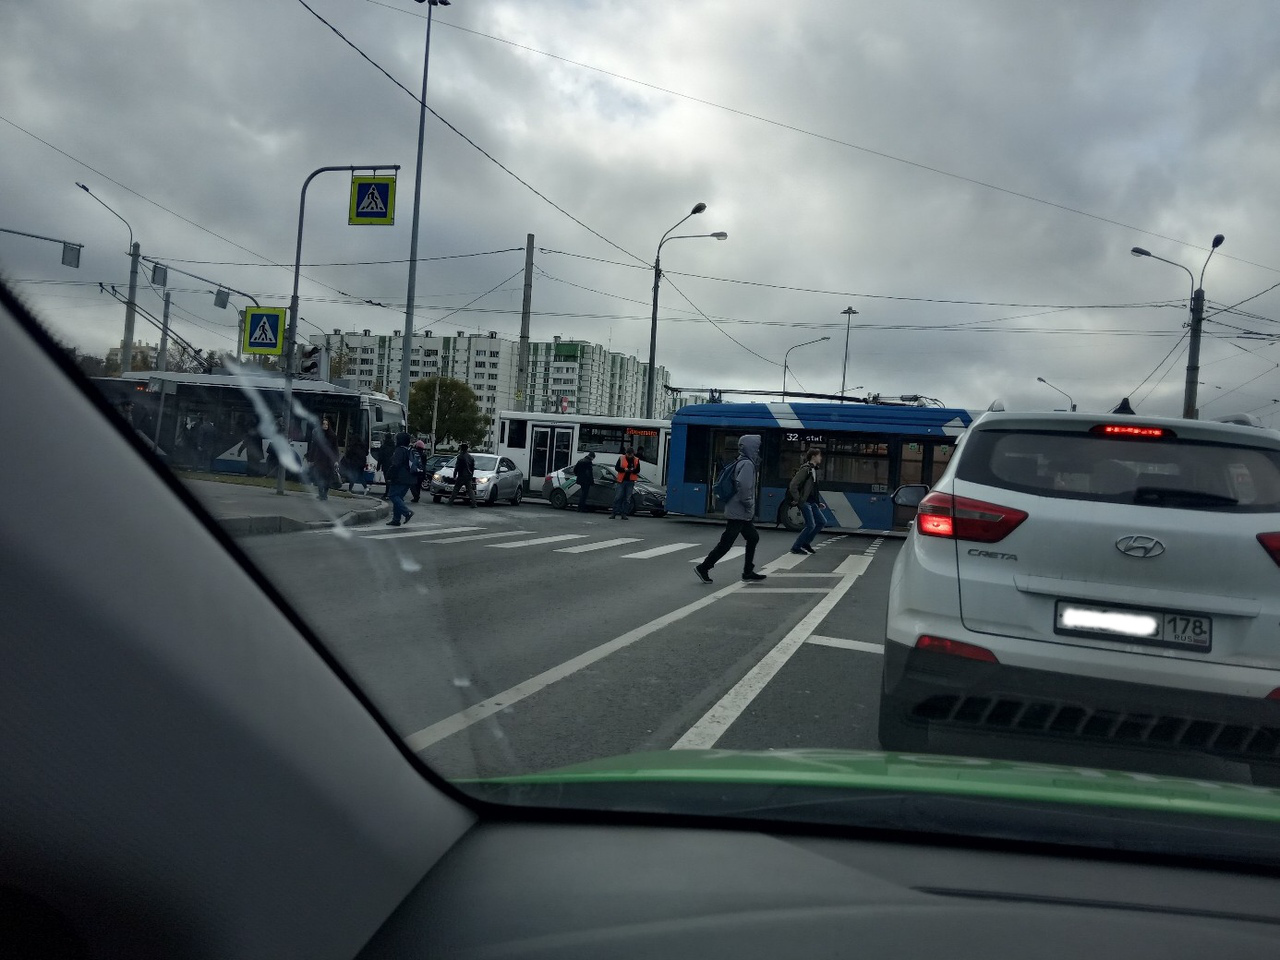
x=820 y=136
x=488 y=156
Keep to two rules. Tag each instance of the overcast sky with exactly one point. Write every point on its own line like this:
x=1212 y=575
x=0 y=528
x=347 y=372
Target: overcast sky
x=888 y=156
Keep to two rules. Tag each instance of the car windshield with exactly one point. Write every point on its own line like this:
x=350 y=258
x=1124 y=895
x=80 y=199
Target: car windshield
x=768 y=271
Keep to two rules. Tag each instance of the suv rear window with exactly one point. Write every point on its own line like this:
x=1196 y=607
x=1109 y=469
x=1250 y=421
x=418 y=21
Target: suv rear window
x=1176 y=473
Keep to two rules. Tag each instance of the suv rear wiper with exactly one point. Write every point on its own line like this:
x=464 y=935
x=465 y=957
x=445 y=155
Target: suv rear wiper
x=1166 y=495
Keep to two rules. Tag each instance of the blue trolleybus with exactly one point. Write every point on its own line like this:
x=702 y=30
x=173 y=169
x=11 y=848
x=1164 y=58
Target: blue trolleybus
x=868 y=451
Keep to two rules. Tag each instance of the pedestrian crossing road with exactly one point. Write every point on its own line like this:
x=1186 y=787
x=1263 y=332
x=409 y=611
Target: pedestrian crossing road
x=523 y=638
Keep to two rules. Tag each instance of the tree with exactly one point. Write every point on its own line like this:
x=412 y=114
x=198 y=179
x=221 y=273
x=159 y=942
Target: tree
x=460 y=418
x=341 y=358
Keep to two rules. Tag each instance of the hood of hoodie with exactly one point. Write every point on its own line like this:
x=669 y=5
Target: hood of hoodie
x=402 y=439
x=749 y=446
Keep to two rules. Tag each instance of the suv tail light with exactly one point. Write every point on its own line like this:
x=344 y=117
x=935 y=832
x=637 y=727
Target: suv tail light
x=960 y=518
x=1271 y=543
x=956 y=648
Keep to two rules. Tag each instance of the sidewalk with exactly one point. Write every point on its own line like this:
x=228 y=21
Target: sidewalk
x=245 y=511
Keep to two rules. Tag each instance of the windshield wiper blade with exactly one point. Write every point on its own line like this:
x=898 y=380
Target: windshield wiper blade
x=1188 y=497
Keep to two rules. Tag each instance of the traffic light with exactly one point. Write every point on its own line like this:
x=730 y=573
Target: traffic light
x=309 y=364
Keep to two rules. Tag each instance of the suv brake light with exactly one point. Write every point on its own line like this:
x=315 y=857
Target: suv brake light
x=1271 y=543
x=960 y=518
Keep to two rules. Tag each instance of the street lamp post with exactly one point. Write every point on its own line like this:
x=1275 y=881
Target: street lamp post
x=1063 y=392
x=130 y=305
x=1189 y=394
x=787 y=356
x=406 y=346
x=657 y=280
x=849 y=314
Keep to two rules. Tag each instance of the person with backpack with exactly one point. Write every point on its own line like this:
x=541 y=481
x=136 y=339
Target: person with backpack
x=736 y=487
x=398 y=478
x=585 y=472
x=417 y=469
x=628 y=467
x=803 y=489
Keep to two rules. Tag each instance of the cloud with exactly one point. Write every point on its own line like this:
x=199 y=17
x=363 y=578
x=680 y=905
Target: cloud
x=819 y=170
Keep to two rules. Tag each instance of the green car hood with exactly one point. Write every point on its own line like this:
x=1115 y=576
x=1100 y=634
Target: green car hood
x=873 y=771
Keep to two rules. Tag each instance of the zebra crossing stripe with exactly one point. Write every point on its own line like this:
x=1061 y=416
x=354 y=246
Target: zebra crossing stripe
x=602 y=545
x=658 y=551
x=535 y=541
x=733 y=553
x=478 y=536
x=422 y=531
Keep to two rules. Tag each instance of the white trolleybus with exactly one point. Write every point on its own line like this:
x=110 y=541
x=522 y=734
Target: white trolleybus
x=542 y=443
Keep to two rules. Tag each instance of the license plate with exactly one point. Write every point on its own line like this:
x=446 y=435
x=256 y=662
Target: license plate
x=1161 y=628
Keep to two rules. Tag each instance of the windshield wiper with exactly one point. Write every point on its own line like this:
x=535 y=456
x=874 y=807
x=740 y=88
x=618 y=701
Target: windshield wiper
x=1190 y=498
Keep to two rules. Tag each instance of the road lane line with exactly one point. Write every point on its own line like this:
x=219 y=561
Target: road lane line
x=602 y=545
x=534 y=542
x=659 y=551
x=417 y=532
x=487 y=708
x=478 y=536
x=733 y=552
x=704 y=734
x=859 y=645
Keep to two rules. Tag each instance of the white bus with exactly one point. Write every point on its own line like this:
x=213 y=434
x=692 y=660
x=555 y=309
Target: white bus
x=541 y=443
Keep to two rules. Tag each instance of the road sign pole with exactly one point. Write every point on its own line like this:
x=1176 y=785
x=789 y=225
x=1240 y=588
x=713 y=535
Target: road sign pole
x=292 y=333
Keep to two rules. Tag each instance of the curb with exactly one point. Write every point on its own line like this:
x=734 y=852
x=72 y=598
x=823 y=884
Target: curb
x=258 y=526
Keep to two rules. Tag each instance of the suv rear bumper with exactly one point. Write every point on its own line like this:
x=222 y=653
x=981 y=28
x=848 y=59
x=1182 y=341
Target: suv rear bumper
x=924 y=689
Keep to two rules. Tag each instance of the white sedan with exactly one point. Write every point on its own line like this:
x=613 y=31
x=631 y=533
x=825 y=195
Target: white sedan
x=497 y=478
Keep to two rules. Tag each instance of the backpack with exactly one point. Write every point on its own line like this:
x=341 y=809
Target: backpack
x=726 y=484
x=415 y=461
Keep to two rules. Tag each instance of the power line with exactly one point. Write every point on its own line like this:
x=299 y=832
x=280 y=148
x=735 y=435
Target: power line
x=481 y=297
x=339 y=263
x=1160 y=364
x=717 y=326
x=488 y=156
x=820 y=136
x=1149 y=304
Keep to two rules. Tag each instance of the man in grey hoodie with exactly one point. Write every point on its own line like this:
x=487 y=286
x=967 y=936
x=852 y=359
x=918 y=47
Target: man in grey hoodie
x=739 y=513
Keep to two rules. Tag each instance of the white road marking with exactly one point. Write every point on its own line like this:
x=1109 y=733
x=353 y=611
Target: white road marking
x=534 y=542
x=860 y=645
x=658 y=551
x=759 y=589
x=602 y=545
x=733 y=553
x=704 y=734
x=807 y=574
x=487 y=708
x=875 y=545
x=418 y=531
x=789 y=560
x=479 y=536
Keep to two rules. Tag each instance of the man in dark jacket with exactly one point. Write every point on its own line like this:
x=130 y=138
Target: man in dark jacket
x=397 y=473
x=464 y=476
x=804 y=491
x=585 y=472
x=322 y=455
x=739 y=513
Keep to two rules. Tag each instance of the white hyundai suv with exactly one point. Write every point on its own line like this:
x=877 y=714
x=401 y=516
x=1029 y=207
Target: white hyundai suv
x=1093 y=579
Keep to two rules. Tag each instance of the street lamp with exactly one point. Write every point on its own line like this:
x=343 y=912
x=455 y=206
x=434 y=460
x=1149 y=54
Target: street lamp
x=787 y=356
x=657 y=280
x=406 y=347
x=849 y=314
x=1197 y=321
x=1063 y=392
x=130 y=305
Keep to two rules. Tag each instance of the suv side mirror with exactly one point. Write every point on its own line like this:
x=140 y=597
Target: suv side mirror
x=910 y=495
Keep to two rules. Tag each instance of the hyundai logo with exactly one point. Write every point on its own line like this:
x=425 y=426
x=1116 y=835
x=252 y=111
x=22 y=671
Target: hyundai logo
x=1142 y=547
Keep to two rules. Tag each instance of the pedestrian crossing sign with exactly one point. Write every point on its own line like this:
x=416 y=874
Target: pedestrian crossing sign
x=373 y=200
x=264 y=331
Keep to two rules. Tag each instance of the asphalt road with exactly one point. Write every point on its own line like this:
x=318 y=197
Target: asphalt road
x=496 y=649
x=511 y=640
